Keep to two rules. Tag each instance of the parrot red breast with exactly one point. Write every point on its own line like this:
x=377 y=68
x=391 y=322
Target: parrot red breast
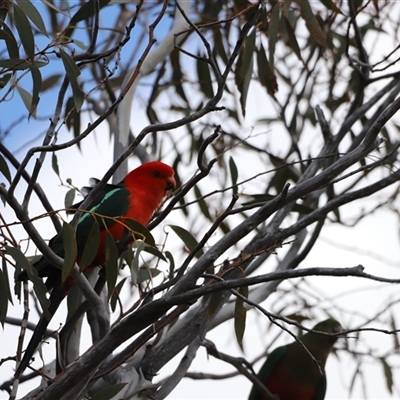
x=290 y=373
x=137 y=197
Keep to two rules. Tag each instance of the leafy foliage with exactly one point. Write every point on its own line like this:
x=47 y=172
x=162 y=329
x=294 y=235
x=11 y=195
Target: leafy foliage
x=290 y=103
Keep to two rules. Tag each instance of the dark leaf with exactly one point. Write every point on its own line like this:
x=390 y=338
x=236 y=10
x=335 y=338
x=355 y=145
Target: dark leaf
x=234 y=175
x=240 y=315
x=73 y=73
x=202 y=203
x=311 y=22
x=273 y=32
x=171 y=260
x=187 y=238
x=135 y=263
x=330 y=5
x=4 y=169
x=73 y=118
x=204 y=77
x=266 y=74
x=4 y=289
x=115 y=294
x=54 y=164
x=291 y=38
x=70 y=249
x=85 y=12
x=69 y=198
x=219 y=45
x=146 y=274
x=4 y=79
x=155 y=252
x=25 y=31
x=140 y=232
x=11 y=43
x=91 y=246
x=244 y=68
x=51 y=81
x=33 y=14
x=25 y=96
x=177 y=75
x=38 y=285
x=387 y=371
x=19 y=64
x=214 y=303
x=111 y=263
x=37 y=87
x=5 y=272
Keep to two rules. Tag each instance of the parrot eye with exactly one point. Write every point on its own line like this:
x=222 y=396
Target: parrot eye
x=157 y=174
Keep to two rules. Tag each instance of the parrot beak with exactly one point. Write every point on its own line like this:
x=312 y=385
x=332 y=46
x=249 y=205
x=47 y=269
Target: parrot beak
x=171 y=184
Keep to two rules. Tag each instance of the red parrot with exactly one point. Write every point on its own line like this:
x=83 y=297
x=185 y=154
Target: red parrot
x=289 y=371
x=137 y=197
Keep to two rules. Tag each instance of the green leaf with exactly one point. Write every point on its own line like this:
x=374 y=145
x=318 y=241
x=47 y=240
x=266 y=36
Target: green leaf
x=69 y=198
x=11 y=43
x=146 y=274
x=111 y=263
x=266 y=74
x=33 y=14
x=204 y=78
x=37 y=86
x=73 y=73
x=171 y=260
x=115 y=294
x=70 y=249
x=240 y=315
x=214 y=303
x=219 y=45
x=54 y=164
x=244 y=68
x=273 y=32
x=91 y=246
x=387 y=371
x=187 y=238
x=4 y=79
x=134 y=267
x=140 y=232
x=72 y=118
x=330 y=5
x=5 y=272
x=202 y=203
x=20 y=64
x=24 y=31
x=291 y=37
x=53 y=7
x=25 y=96
x=84 y=13
x=4 y=169
x=177 y=75
x=109 y=392
x=155 y=252
x=20 y=258
x=4 y=289
x=234 y=175
x=38 y=285
x=51 y=81
x=312 y=23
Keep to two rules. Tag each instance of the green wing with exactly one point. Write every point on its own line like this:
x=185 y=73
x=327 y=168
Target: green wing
x=111 y=202
x=104 y=208
x=266 y=370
